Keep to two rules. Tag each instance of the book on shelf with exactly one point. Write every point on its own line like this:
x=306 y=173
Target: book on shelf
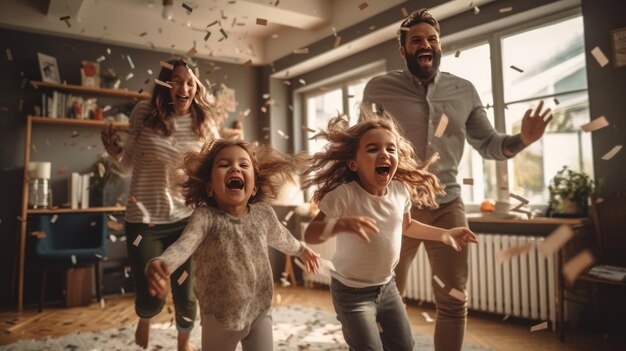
x=65 y=105
x=78 y=189
x=608 y=272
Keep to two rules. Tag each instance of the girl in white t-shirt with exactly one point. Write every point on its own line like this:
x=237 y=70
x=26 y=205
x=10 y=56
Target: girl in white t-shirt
x=366 y=180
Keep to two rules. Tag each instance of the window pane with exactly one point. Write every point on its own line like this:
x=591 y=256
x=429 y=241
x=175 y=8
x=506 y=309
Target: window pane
x=563 y=144
x=472 y=164
x=319 y=110
x=552 y=59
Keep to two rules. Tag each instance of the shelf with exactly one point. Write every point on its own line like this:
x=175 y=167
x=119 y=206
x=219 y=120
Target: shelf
x=74 y=122
x=93 y=91
x=31 y=211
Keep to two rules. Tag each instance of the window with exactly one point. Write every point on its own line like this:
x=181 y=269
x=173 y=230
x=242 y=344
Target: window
x=548 y=64
x=330 y=100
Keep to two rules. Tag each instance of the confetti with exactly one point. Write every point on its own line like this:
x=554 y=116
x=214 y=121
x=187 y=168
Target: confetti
x=282 y=134
x=261 y=22
x=248 y=63
x=596 y=124
x=573 y=267
x=207 y=36
x=73 y=259
x=191 y=52
x=457 y=294
x=144 y=211
x=405 y=13
x=506 y=254
x=441 y=127
x=54 y=218
x=112 y=238
x=599 y=56
x=301 y=51
x=102 y=303
x=302 y=81
x=288 y=216
x=506 y=9
x=100 y=59
x=556 y=101
x=143 y=34
x=468 y=181
x=276 y=3
x=9 y=54
x=66 y=19
x=137 y=240
x=337 y=41
x=439 y=282
x=279 y=299
x=476 y=10
x=540 y=326
x=187 y=7
x=187 y=319
x=427 y=317
x=506 y=317
x=129 y=76
x=224 y=34
x=517 y=69
x=159 y=82
x=363 y=6
x=167 y=65
x=519 y=198
x=555 y=240
x=130 y=62
x=182 y=278
x=457 y=53
x=609 y=155
x=212 y=23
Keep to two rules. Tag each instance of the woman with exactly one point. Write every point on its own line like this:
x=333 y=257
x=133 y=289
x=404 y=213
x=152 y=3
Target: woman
x=175 y=120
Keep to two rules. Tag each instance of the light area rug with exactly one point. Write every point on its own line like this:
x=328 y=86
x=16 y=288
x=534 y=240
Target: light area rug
x=295 y=328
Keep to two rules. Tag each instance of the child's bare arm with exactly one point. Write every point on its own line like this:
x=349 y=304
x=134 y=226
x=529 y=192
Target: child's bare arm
x=455 y=237
x=322 y=228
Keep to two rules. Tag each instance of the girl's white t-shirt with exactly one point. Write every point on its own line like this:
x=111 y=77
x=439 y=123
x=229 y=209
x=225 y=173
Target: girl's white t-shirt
x=358 y=263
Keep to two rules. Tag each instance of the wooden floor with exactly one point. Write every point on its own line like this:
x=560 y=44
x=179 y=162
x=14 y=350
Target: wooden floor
x=483 y=329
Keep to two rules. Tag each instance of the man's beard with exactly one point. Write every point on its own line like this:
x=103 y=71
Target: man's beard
x=420 y=72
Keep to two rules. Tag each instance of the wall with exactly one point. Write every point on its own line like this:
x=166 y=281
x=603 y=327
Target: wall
x=56 y=144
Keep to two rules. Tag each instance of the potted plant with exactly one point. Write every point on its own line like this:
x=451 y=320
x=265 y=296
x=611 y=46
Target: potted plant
x=569 y=193
x=106 y=172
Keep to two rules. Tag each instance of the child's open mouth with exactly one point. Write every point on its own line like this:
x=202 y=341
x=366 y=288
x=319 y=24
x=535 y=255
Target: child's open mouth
x=234 y=184
x=383 y=170
x=182 y=98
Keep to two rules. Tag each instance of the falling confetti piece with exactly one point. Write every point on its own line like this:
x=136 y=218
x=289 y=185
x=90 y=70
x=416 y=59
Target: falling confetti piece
x=427 y=317
x=112 y=238
x=457 y=53
x=187 y=319
x=66 y=19
x=441 y=127
x=129 y=76
x=102 y=305
x=288 y=216
x=301 y=51
x=556 y=101
x=54 y=218
x=596 y=124
x=517 y=69
x=457 y=294
x=187 y=7
x=468 y=181
x=100 y=59
x=476 y=10
x=9 y=54
x=261 y=22
x=505 y=254
x=405 y=13
x=302 y=81
x=159 y=82
x=599 y=56
x=609 y=155
x=182 y=278
x=540 y=326
x=506 y=9
x=439 y=282
x=337 y=41
x=224 y=34
x=282 y=134
x=74 y=259
x=207 y=36
x=555 y=240
x=191 y=52
x=137 y=240
x=166 y=65
x=506 y=317
x=248 y=63
x=363 y=6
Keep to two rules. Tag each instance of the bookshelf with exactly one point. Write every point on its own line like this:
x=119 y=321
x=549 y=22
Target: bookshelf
x=32 y=122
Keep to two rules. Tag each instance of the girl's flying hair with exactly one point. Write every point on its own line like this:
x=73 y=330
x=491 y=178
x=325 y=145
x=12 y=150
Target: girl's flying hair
x=328 y=169
x=271 y=170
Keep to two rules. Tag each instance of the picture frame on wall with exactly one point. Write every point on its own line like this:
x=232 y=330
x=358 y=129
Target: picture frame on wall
x=48 y=68
x=618 y=43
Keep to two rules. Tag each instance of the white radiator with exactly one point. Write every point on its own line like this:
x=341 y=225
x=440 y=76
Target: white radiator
x=523 y=286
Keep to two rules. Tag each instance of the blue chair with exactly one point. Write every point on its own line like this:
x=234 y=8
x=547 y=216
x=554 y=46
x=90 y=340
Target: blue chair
x=74 y=239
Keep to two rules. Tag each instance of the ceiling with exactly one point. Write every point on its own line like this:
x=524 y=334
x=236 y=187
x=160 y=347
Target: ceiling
x=237 y=32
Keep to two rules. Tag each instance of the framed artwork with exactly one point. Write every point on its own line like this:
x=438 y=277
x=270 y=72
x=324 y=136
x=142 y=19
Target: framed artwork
x=90 y=74
x=618 y=41
x=49 y=68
